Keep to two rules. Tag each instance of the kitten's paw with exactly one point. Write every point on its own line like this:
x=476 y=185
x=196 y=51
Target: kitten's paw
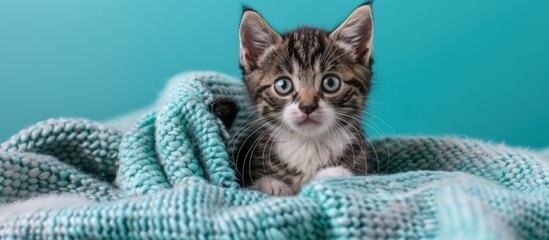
x=333 y=172
x=272 y=186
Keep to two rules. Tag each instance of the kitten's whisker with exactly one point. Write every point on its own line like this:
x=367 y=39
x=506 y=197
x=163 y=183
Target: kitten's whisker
x=399 y=144
x=251 y=113
x=235 y=158
x=359 y=131
x=380 y=119
x=340 y=126
x=358 y=141
x=258 y=140
x=268 y=144
x=284 y=165
x=252 y=147
x=362 y=151
x=281 y=131
x=383 y=121
x=377 y=157
x=334 y=131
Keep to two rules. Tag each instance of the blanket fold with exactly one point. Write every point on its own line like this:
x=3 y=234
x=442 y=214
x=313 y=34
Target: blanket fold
x=166 y=173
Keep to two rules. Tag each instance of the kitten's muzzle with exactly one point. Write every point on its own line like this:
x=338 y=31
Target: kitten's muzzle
x=308 y=120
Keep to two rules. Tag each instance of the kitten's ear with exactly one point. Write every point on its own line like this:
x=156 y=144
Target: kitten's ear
x=256 y=36
x=356 y=33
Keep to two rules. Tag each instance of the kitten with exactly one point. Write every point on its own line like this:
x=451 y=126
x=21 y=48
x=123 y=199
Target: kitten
x=308 y=88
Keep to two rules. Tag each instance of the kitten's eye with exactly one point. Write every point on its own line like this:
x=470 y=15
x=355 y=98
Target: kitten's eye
x=283 y=86
x=330 y=84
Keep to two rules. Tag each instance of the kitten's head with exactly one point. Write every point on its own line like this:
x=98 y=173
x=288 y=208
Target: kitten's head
x=308 y=80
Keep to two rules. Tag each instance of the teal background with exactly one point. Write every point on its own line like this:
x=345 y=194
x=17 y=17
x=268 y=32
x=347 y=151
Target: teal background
x=476 y=68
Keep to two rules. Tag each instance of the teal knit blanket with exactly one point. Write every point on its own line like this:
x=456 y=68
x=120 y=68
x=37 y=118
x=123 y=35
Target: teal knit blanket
x=164 y=173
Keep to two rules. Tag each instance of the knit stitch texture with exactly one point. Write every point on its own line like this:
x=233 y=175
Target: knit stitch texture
x=166 y=174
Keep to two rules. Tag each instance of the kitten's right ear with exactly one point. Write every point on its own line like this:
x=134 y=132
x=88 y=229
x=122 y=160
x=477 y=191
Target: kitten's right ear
x=256 y=36
x=356 y=33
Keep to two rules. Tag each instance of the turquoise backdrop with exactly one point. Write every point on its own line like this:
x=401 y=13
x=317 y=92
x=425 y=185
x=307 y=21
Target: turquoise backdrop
x=476 y=68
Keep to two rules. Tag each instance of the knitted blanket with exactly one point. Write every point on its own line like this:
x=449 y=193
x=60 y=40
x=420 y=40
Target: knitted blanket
x=165 y=173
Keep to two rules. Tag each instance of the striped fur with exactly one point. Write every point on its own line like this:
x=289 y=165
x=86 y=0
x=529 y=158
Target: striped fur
x=284 y=147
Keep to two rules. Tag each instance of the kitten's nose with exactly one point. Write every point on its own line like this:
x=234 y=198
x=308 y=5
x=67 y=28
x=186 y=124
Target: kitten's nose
x=308 y=107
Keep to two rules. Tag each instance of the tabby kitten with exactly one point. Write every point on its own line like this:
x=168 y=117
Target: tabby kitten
x=308 y=88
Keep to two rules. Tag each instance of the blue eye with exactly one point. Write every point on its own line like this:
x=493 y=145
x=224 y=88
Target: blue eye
x=283 y=86
x=330 y=84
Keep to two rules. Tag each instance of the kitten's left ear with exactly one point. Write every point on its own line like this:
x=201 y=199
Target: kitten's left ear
x=356 y=33
x=256 y=37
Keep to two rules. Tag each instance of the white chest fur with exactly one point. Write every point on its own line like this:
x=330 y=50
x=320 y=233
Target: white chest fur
x=308 y=154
